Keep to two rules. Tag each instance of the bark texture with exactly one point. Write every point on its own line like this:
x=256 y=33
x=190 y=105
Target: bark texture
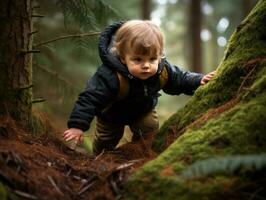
x=195 y=29
x=16 y=59
x=146 y=9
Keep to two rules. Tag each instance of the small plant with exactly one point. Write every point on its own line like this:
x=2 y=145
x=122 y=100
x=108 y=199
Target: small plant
x=225 y=165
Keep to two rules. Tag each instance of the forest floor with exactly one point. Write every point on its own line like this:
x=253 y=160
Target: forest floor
x=43 y=167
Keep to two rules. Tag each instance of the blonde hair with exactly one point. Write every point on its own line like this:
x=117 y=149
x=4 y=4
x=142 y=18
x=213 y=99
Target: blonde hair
x=141 y=37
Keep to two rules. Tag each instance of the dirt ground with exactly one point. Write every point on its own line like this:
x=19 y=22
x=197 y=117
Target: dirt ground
x=42 y=167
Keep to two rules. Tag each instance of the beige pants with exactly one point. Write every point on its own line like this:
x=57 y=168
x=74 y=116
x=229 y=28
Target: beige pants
x=108 y=134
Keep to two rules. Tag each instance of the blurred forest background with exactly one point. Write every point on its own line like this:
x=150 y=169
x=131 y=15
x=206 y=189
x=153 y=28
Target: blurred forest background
x=196 y=33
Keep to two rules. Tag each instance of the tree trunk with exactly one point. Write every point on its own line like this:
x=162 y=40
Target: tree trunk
x=214 y=48
x=223 y=119
x=146 y=9
x=195 y=29
x=16 y=60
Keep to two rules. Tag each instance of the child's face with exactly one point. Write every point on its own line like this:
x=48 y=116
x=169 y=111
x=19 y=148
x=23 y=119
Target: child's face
x=141 y=66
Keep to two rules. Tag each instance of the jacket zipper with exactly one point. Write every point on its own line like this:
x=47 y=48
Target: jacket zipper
x=145 y=90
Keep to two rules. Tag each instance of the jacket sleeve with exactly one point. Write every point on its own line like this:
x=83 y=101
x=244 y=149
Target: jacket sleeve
x=99 y=92
x=180 y=81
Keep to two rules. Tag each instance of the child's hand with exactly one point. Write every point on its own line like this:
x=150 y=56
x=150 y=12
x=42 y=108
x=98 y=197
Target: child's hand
x=207 y=78
x=73 y=133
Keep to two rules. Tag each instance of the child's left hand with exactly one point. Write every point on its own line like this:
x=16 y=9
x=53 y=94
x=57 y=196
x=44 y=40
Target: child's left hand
x=207 y=77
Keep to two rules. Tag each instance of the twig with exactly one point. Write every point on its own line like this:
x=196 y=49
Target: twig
x=24 y=194
x=92 y=177
x=124 y=166
x=68 y=173
x=18 y=161
x=244 y=77
x=115 y=188
x=54 y=184
x=76 y=177
x=66 y=37
x=16 y=157
x=137 y=160
x=244 y=80
x=246 y=88
x=18 y=169
x=87 y=181
x=97 y=157
x=128 y=164
x=26 y=87
x=7 y=159
x=30 y=51
x=33 y=32
x=37 y=15
x=37 y=101
x=85 y=188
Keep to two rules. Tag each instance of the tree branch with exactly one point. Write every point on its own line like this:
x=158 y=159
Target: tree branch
x=37 y=101
x=66 y=37
x=26 y=87
x=30 y=51
x=37 y=15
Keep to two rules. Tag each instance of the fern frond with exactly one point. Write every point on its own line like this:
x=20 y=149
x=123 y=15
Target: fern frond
x=79 y=12
x=88 y=48
x=103 y=10
x=88 y=14
x=224 y=165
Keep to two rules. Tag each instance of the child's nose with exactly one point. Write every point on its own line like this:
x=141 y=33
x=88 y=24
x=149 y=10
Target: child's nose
x=146 y=65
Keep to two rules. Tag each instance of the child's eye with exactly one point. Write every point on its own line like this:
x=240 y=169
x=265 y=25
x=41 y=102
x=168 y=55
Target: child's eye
x=153 y=59
x=136 y=59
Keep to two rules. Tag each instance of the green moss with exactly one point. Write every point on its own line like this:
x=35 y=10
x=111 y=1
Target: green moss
x=173 y=188
x=5 y=194
x=237 y=130
x=246 y=44
x=230 y=126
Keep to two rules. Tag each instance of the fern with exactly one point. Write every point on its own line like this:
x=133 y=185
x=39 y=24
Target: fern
x=88 y=14
x=77 y=10
x=103 y=10
x=54 y=65
x=225 y=165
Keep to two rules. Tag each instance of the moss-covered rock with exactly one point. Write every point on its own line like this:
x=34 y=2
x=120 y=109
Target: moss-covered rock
x=246 y=50
x=225 y=117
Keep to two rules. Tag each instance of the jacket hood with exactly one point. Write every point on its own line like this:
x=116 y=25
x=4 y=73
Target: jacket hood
x=111 y=60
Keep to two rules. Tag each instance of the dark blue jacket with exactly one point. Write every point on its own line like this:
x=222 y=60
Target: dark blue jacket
x=102 y=89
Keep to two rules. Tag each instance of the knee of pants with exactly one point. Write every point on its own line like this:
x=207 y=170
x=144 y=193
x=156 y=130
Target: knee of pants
x=98 y=146
x=146 y=124
x=107 y=135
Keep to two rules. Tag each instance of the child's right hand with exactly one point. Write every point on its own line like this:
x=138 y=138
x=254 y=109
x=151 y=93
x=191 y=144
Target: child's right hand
x=207 y=77
x=73 y=133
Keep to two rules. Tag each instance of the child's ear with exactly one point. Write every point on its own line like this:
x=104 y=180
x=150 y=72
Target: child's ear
x=162 y=57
